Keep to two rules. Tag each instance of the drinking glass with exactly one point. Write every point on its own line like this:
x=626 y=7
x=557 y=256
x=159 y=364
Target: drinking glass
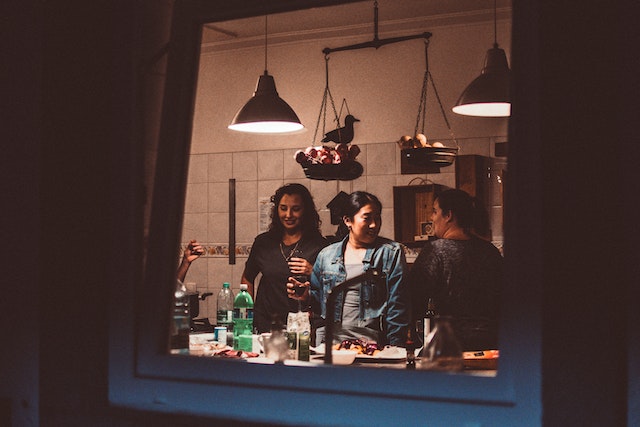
x=302 y=278
x=442 y=350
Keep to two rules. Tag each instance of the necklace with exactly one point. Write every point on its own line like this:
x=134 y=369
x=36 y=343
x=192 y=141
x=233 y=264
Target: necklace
x=287 y=258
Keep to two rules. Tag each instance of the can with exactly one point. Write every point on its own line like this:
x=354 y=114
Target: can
x=220 y=334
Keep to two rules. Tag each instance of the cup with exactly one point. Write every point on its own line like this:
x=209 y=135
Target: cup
x=220 y=334
x=255 y=343
x=275 y=346
x=261 y=340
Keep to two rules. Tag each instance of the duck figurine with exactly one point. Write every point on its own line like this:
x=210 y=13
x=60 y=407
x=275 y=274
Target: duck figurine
x=344 y=134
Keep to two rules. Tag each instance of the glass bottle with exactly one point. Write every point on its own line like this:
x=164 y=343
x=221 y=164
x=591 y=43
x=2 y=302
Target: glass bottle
x=180 y=325
x=429 y=317
x=411 y=350
x=442 y=350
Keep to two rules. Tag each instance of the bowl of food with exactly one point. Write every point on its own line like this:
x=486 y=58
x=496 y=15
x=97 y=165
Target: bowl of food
x=343 y=357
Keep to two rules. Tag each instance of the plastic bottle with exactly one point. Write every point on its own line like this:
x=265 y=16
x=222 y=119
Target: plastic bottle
x=243 y=320
x=180 y=326
x=224 y=312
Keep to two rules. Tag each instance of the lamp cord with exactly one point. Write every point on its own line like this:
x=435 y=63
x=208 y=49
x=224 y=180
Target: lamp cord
x=495 y=24
x=265 y=44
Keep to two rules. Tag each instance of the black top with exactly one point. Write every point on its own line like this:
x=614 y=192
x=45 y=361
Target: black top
x=271 y=295
x=464 y=278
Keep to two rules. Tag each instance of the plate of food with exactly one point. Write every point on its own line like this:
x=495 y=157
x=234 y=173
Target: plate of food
x=367 y=351
x=483 y=359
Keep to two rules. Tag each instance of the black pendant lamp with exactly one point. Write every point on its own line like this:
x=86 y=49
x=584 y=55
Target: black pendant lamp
x=266 y=112
x=488 y=95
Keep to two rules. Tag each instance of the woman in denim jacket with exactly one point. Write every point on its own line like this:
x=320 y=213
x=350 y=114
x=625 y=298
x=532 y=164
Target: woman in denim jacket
x=376 y=311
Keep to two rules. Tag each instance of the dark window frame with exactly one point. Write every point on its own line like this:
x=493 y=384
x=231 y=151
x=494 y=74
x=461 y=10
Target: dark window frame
x=143 y=375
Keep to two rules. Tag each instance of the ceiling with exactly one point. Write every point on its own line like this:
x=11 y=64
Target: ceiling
x=395 y=17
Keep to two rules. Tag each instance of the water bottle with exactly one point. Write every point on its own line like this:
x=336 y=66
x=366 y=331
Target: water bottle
x=180 y=326
x=243 y=320
x=225 y=307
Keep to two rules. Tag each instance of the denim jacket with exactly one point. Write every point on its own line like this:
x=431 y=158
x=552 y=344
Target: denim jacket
x=388 y=300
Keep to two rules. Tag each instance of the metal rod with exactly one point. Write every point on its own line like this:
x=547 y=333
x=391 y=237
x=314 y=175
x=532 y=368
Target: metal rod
x=376 y=43
x=232 y=221
x=371 y=274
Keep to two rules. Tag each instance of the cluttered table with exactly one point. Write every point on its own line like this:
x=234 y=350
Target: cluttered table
x=479 y=363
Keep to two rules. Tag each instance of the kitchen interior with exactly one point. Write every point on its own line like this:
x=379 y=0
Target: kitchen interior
x=54 y=378
x=386 y=88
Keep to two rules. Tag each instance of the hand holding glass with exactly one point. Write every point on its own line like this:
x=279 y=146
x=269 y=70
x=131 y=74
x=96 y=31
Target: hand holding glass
x=300 y=269
x=297 y=289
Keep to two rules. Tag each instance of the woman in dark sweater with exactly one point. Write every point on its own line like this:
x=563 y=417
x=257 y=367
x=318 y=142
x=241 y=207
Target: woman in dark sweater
x=461 y=272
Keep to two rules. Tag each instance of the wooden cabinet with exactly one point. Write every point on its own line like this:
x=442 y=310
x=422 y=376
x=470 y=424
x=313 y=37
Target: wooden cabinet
x=482 y=177
x=412 y=208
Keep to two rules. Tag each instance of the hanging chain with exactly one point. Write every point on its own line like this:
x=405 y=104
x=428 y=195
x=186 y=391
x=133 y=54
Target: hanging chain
x=422 y=107
x=323 y=106
x=344 y=104
x=444 y=115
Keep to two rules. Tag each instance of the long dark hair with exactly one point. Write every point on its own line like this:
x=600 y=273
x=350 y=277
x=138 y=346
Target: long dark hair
x=310 y=220
x=357 y=200
x=469 y=212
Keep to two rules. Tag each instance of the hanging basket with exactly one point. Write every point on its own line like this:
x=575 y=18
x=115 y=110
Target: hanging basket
x=345 y=171
x=417 y=151
x=430 y=156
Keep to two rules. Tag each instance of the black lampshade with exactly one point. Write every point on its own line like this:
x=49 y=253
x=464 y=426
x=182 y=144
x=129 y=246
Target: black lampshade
x=266 y=112
x=488 y=95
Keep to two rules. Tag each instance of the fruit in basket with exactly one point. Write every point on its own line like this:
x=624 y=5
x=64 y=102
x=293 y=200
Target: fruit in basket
x=301 y=157
x=354 y=150
x=325 y=155
x=420 y=140
x=405 y=141
x=438 y=144
x=342 y=150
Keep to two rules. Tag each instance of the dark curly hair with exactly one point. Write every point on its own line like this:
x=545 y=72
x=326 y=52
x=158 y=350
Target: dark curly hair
x=310 y=220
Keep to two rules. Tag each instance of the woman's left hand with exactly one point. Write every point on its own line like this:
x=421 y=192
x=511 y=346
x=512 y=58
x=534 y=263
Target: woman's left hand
x=297 y=290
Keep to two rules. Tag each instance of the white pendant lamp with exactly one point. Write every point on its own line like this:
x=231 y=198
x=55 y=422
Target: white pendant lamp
x=488 y=95
x=266 y=112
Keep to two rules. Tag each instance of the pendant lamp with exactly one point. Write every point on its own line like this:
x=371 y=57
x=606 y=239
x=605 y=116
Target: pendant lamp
x=488 y=95
x=266 y=112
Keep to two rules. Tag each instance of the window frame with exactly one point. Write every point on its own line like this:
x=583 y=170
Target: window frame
x=143 y=375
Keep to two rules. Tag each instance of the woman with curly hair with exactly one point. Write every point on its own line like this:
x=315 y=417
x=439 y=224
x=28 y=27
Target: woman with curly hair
x=288 y=248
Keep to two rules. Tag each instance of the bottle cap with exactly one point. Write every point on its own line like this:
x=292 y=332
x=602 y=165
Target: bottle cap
x=226 y=285
x=243 y=286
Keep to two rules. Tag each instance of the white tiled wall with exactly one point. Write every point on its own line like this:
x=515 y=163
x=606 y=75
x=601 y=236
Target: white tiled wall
x=258 y=174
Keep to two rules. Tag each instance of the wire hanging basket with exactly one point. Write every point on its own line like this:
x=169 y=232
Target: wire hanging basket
x=417 y=150
x=335 y=159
